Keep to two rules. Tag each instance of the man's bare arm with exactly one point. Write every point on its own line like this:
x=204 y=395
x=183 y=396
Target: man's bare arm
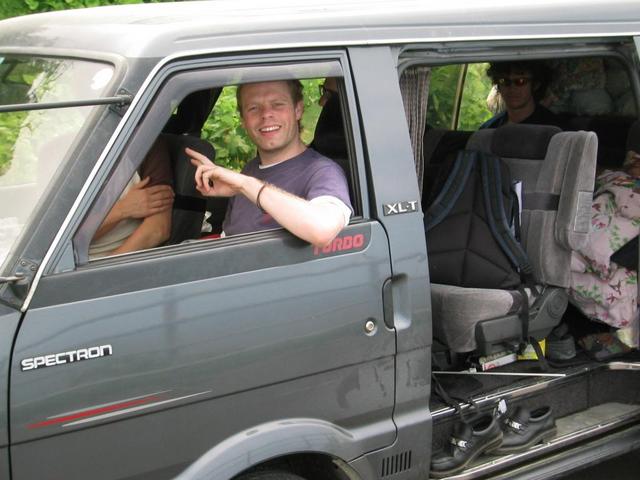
x=317 y=223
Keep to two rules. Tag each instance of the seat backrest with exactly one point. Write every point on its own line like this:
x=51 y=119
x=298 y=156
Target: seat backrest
x=557 y=171
x=189 y=206
x=612 y=131
x=330 y=139
x=439 y=146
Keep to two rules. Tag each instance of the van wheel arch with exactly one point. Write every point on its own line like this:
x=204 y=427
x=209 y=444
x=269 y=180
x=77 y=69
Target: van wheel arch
x=302 y=466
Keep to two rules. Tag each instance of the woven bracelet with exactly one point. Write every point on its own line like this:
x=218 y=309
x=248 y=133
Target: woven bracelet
x=264 y=185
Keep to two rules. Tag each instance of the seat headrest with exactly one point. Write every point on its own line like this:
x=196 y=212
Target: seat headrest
x=329 y=138
x=522 y=141
x=183 y=170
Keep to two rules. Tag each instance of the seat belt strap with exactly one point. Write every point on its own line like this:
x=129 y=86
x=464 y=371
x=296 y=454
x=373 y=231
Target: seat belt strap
x=451 y=190
x=495 y=211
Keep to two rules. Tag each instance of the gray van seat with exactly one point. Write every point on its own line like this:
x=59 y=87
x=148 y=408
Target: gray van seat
x=329 y=138
x=558 y=171
x=438 y=146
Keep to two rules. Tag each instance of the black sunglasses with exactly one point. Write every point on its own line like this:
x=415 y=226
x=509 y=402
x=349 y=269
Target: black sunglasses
x=518 y=81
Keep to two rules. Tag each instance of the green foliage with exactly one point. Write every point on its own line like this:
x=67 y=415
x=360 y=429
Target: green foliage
x=473 y=109
x=224 y=131
x=10 y=124
x=14 y=8
x=311 y=108
x=442 y=96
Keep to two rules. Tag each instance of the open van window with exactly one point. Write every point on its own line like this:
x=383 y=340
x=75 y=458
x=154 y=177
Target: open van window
x=462 y=97
x=221 y=137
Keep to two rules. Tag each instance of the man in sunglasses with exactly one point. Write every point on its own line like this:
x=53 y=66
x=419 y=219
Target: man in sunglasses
x=521 y=86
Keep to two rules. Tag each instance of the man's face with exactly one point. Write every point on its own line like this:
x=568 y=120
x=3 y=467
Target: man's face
x=270 y=116
x=516 y=89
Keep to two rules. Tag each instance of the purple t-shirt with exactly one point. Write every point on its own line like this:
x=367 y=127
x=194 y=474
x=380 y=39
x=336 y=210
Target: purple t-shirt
x=308 y=175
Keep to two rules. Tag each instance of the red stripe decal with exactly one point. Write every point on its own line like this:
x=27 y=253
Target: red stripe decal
x=95 y=411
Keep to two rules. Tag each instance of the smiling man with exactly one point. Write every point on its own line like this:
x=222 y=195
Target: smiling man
x=287 y=184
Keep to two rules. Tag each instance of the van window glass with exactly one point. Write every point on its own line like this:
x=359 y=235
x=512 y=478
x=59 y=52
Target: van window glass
x=34 y=143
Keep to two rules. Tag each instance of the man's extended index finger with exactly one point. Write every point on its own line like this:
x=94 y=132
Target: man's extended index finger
x=198 y=156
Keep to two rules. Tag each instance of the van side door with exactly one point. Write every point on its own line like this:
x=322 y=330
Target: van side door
x=136 y=365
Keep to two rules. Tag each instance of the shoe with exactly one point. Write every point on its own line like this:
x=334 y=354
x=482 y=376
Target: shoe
x=560 y=345
x=523 y=429
x=469 y=440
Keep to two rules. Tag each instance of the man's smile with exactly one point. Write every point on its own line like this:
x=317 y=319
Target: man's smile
x=269 y=129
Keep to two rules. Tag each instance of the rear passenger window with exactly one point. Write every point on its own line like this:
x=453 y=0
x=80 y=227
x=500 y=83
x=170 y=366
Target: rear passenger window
x=462 y=97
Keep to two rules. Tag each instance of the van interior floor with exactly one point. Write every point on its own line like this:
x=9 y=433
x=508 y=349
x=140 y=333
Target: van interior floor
x=589 y=399
x=596 y=405
x=468 y=385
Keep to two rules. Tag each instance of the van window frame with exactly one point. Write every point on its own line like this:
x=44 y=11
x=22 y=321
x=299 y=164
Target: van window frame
x=179 y=79
x=472 y=52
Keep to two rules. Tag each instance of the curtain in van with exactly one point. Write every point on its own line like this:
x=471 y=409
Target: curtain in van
x=414 y=85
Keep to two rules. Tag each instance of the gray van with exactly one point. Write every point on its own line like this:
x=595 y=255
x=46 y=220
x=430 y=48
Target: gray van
x=259 y=356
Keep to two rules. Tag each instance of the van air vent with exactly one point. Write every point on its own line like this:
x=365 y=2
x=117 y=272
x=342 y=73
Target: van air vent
x=396 y=463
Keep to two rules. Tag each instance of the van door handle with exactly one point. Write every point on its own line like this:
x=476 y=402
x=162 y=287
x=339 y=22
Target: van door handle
x=387 y=302
x=396 y=302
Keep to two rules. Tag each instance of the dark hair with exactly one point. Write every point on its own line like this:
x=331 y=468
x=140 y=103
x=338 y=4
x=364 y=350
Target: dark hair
x=539 y=71
x=295 y=90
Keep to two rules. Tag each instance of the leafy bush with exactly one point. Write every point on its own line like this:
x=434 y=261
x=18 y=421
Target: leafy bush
x=224 y=131
x=13 y=8
x=473 y=109
x=442 y=94
x=10 y=124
